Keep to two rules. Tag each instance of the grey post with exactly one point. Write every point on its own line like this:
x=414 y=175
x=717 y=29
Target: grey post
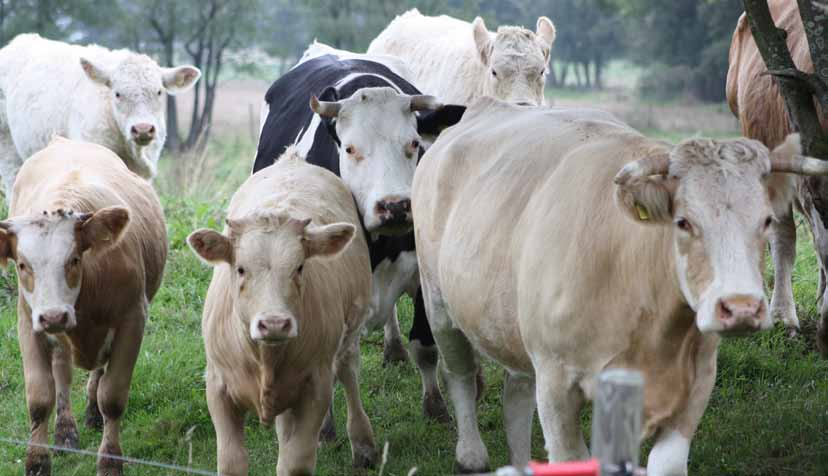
x=616 y=418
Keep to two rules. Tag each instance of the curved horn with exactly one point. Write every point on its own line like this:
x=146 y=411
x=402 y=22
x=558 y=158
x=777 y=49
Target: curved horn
x=653 y=165
x=425 y=103
x=799 y=164
x=324 y=108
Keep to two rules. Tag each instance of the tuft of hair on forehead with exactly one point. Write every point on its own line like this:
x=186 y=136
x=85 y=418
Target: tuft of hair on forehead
x=374 y=95
x=263 y=219
x=514 y=36
x=724 y=154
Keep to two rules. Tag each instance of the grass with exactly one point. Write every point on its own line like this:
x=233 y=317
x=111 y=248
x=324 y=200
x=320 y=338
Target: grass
x=767 y=416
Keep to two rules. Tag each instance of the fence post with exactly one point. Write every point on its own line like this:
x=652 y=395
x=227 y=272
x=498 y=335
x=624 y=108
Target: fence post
x=616 y=418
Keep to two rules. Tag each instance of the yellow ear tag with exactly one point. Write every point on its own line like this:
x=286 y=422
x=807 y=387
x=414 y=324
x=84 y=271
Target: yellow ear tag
x=643 y=215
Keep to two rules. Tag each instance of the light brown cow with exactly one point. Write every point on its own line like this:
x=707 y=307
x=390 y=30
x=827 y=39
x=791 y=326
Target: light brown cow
x=755 y=99
x=562 y=242
x=290 y=291
x=90 y=244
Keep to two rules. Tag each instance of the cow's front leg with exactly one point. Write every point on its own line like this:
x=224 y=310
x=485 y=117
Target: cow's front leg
x=113 y=392
x=298 y=428
x=228 y=421
x=669 y=454
x=559 y=403
x=94 y=419
x=360 y=433
x=393 y=349
x=66 y=429
x=40 y=393
x=783 y=250
x=518 y=413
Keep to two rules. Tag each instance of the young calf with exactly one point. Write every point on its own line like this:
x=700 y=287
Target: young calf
x=290 y=291
x=90 y=244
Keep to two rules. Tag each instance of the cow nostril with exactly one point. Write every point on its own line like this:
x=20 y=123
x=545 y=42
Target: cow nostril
x=725 y=313
x=151 y=130
x=262 y=326
x=285 y=324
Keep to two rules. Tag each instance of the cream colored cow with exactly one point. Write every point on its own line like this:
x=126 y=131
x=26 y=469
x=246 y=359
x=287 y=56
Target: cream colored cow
x=90 y=244
x=290 y=291
x=459 y=61
x=562 y=242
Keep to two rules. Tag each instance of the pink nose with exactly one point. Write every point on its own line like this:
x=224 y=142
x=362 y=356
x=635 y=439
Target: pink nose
x=740 y=313
x=143 y=132
x=276 y=328
x=53 y=320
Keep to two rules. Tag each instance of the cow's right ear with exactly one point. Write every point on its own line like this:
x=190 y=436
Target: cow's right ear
x=6 y=244
x=432 y=123
x=211 y=246
x=644 y=191
x=95 y=73
x=482 y=40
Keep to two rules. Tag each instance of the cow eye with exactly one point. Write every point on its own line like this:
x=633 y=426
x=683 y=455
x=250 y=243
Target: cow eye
x=118 y=95
x=494 y=73
x=768 y=222
x=74 y=261
x=299 y=270
x=21 y=266
x=684 y=225
x=415 y=144
x=240 y=270
x=159 y=92
x=349 y=149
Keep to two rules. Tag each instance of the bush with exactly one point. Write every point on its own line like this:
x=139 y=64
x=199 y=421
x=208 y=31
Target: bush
x=664 y=82
x=704 y=82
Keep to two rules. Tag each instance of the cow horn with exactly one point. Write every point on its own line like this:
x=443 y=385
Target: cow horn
x=425 y=103
x=653 y=165
x=799 y=165
x=325 y=108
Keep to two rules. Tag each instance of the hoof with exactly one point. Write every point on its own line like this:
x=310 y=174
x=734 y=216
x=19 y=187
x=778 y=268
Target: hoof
x=460 y=468
x=94 y=419
x=38 y=464
x=66 y=433
x=109 y=466
x=792 y=332
x=394 y=353
x=364 y=457
x=434 y=408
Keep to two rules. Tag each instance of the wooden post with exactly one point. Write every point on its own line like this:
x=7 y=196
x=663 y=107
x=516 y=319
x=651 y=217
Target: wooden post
x=616 y=418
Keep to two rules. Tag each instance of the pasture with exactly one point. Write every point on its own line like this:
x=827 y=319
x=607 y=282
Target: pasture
x=767 y=415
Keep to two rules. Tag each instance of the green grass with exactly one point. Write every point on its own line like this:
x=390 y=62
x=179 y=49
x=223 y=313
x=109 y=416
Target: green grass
x=768 y=414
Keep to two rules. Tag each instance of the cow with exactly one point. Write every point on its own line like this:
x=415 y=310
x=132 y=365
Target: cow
x=459 y=61
x=369 y=125
x=561 y=242
x=90 y=243
x=88 y=93
x=290 y=291
x=754 y=98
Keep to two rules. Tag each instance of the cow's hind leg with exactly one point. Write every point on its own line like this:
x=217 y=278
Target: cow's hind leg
x=360 y=433
x=66 y=429
x=783 y=250
x=460 y=373
x=426 y=357
x=518 y=413
x=94 y=419
x=40 y=393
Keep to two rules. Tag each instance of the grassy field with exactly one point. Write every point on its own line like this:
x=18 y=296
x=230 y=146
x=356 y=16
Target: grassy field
x=768 y=414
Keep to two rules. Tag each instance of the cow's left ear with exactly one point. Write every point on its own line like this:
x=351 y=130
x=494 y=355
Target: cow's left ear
x=328 y=240
x=6 y=243
x=95 y=73
x=180 y=79
x=482 y=40
x=102 y=229
x=546 y=31
x=432 y=123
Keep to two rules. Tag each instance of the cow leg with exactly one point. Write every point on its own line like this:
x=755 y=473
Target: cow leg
x=360 y=433
x=783 y=250
x=66 y=429
x=298 y=429
x=518 y=413
x=40 y=393
x=426 y=356
x=460 y=372
x=228 y=421
x=328 y=432
x=94 y=419
x=113 y=391
x=559 y=408
x=672 y=447
x=393 y=348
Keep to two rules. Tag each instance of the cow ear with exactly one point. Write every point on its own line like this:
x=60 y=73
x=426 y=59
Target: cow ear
x=546 y=31
x=211 y=246
x=6 y=243
x=95 y=73
x=102 y=229
x=432 y=123
x=482 y=40
x=180 y=79
x=328 y=240
x=647 y=200
x=329 y=94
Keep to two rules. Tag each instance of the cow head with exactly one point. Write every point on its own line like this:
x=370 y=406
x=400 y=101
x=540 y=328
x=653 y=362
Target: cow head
x=136 y=88
x=377 y=131
x=266 y=252
x=516 y=59
x=719 y=198
x=49 y=250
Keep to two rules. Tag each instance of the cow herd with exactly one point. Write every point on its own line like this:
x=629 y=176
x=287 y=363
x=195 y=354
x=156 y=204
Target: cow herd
x=555 y=242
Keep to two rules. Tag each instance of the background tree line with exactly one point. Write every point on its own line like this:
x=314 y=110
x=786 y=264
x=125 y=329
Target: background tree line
x=681 y=44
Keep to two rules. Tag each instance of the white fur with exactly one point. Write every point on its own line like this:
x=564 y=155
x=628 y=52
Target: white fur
x=669 y=455
x=44 y=91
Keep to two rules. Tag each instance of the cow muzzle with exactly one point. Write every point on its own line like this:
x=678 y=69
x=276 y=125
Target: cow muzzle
x=142 y=133
x=54 y=320
x=741 y=314
x=273 y=329
x=394 y=215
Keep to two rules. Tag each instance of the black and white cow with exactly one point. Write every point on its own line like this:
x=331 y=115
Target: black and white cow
x=368 y=125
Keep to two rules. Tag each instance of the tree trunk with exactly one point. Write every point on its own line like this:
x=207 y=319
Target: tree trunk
x=173 y=136
x=599 y=73
x=564 y=74
x=577 y=71
x=588 y=83
x=552 y=77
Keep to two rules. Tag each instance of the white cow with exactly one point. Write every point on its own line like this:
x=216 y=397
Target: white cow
x=459 y=61
x=114 y=98
x=562 y=242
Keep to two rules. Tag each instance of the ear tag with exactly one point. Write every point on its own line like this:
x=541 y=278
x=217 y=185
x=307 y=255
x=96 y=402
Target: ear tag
x=643 y=215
